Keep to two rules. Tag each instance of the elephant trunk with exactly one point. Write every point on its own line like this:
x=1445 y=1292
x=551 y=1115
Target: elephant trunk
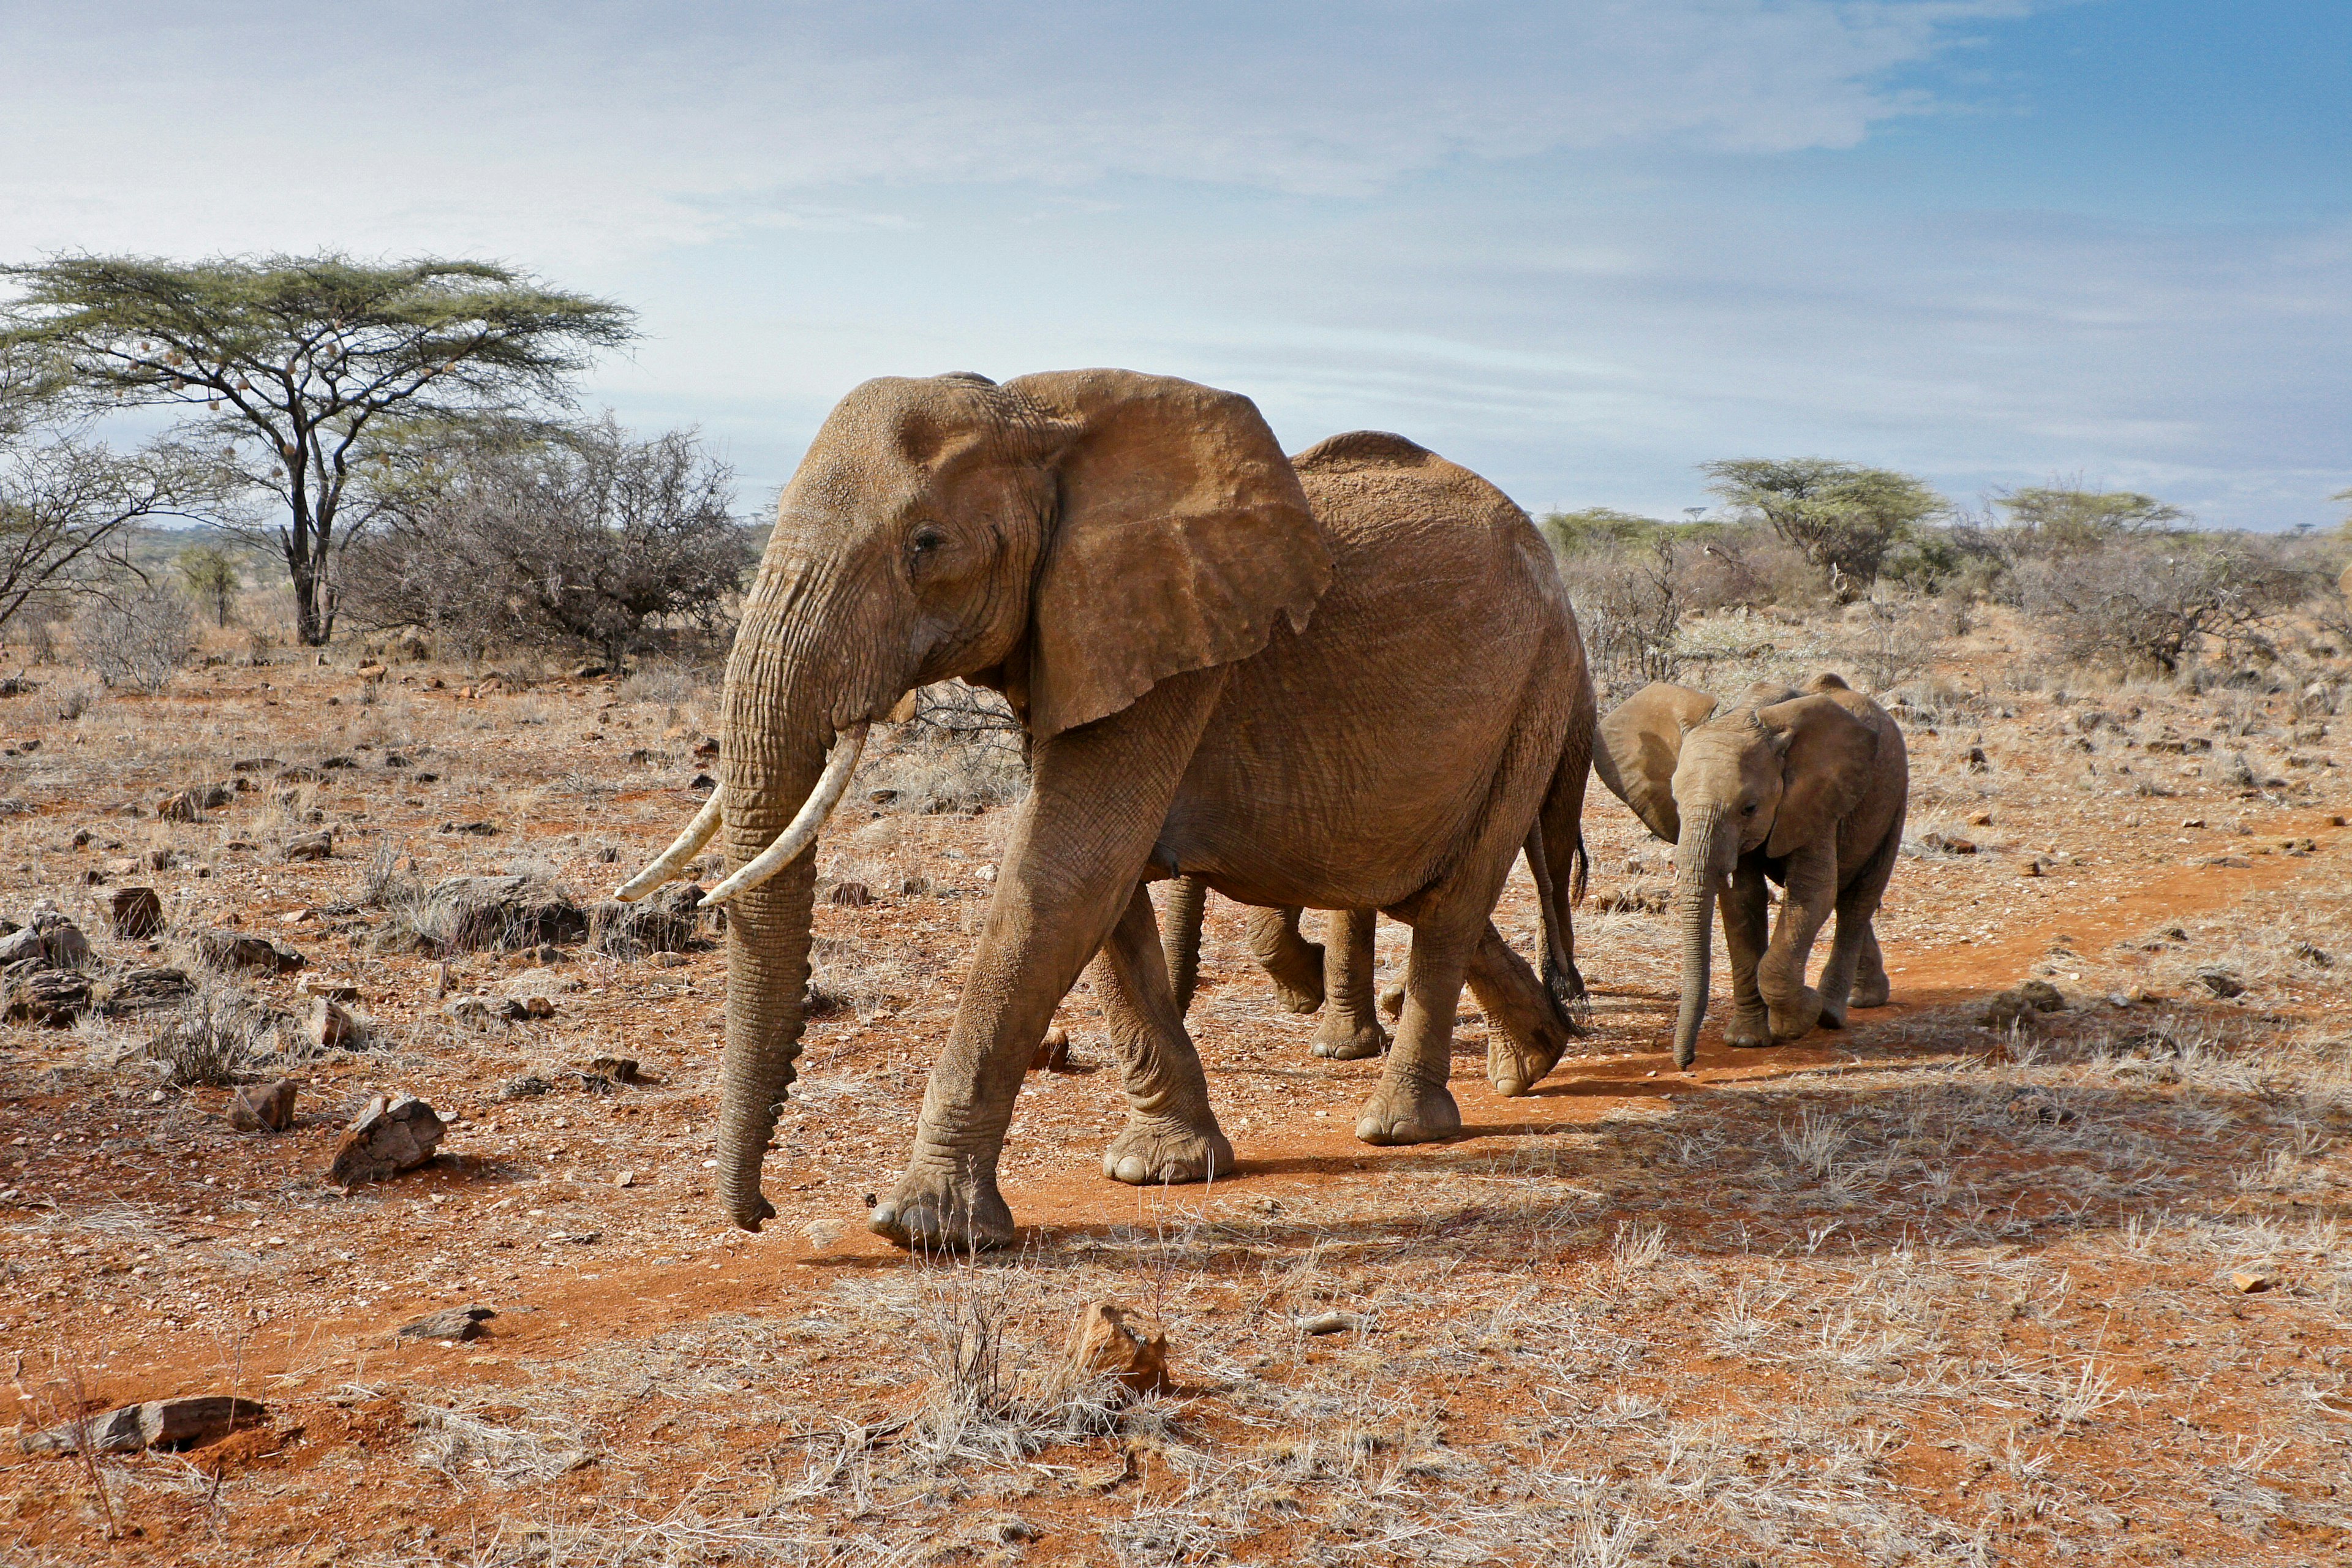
x=1696 y=876
x=778 y=718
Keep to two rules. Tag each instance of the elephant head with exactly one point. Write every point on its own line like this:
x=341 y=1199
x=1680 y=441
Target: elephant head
x=1070 y=539
x=1774 y=772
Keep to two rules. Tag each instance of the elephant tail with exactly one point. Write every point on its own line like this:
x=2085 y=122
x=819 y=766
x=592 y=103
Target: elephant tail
x=1583 y=873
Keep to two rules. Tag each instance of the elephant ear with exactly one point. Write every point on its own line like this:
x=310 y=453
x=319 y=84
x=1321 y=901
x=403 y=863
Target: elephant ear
x=1827 y=757
x=1181 y=537
x=1641 y=742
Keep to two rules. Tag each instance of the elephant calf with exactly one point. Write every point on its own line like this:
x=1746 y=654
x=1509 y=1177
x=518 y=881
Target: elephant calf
x=1805 y=789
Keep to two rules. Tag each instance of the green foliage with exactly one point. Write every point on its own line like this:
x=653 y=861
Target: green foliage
x=1595 y=527
x=211 y=575
x=287 y=365
x=2055 y=520
x=1842 y=517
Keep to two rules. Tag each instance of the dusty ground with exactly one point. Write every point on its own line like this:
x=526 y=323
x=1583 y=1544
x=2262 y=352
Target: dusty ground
x=1923 y=1291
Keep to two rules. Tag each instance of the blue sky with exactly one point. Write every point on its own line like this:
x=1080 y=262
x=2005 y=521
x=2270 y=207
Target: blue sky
x=1582 y=247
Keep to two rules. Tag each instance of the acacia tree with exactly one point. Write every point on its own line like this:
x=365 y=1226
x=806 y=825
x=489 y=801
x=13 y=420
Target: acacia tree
x=290 y=364
x=2053 y=519
x=1842 y=517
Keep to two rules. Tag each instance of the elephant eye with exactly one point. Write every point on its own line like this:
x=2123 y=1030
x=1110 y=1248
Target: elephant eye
x=1748 y=809
x=927 y=540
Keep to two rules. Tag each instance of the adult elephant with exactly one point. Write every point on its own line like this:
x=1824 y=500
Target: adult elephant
x=1805 y=789
x=1359 y=712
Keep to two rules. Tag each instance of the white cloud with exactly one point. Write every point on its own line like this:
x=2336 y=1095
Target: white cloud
x=585 y=132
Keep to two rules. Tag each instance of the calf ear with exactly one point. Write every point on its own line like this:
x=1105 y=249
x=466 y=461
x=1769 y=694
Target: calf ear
x=1181 y=538
x=1826 y=757
x=1638 y=746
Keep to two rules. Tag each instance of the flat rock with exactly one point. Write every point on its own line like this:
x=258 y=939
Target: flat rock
x=263 y=1106
x=141 y=989
x=318 y=846
x=459 y=1323
x=157 y=1424
x=343 y=993
x=1117 y=1342
x=235 y=950
x=52 y=998
x=500 y=912
x=394 y=1133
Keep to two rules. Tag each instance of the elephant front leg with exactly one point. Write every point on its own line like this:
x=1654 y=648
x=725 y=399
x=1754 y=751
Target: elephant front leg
x=1172 y=1135
x=1186 y=901
x=1795 y=1006
x=1870 y=985
x=1747 y=931
x=1413 y=1104
x=1527 y=1030
x=1294 y=964
x=1350 y=1030
x=1097 y=797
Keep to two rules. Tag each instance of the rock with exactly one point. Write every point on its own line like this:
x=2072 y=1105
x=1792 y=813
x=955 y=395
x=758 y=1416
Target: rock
x=1053 y=1052
x=1980 y=819
x=540 y=982
x=590 y=672
x=158 y=1424
x=2315 y=956
x=331 y=1028
x=670 y=960
x=2221 y=981
x=620 y=1069
x=2006 y=1008
x=2031 y=867
x=141 y=989
x=135 y=913
x=473 y=829
x=633 y=930
x=1109 y=1341
x=451 y=1324
x=1977 y=760
x=625 y=1178
x=706 y=747
x=527 y=1087
x=500 y=912
x=263 y=1106
x=234 y=950
x=23 y=946
x=484 y=1012
x=318 y=846
x=393 y=1134
x=256 y=765
x=52 y=998
x=190 y=804
x=702 y=780
x=340 y=992
x=2253 y=1281
x=2043 y=996
x=1944 y=844
x=850 y=895
x=1328 y=1323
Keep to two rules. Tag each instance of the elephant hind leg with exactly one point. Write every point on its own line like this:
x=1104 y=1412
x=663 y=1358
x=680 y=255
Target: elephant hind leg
x=1412 y=1103
x=1527 y=1030
x=1870 y=985
x=1172 y=1135
x=1350 y=1030
x=1294 y=964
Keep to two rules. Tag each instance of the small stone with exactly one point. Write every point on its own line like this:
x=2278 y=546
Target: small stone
x=620 y=1069
x=184 y=806
x=139 y=989
x=330 y=1028
x=2221 y=981
x=624 y=1179
x=708 y=747
x=1980 y=819
x=473 y=829
x=590 y=672
x=2042 y=996
x=1328 y=1323
x=2253 y=1281
x=459 y=1323
x=669 y=959
x=135 y=913
x=527 y=1087
x=1111 y=1341
x=52 y=998
x=479 y=1012
x=263 y=1108
x=850 y=895
x=340 y=992
x=1053 y=1052
x=393 y=1134
x=319 y=845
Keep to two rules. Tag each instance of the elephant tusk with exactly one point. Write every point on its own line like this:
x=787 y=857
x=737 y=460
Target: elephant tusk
x=795 y=840
x=672 y=861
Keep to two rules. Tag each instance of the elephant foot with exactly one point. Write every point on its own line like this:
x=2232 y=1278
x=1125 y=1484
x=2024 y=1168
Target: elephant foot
x=931 y=1211
x=1516 y=1066
x=1392 y=1001
x=1294 y=1000
x=1155 y=1149
x=1869 y=993
x=1833 y=1017
x=1748 y=1031
x=1795 y=1020
x=1406 y=1114
x=1340 y=1041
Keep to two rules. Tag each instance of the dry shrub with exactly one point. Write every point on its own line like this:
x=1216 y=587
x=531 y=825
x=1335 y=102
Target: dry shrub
x=963 y=751
x=2137 y=606
x=137 y=639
